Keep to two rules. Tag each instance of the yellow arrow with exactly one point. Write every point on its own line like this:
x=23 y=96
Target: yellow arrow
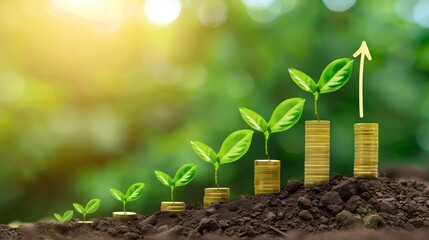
x=363 y=51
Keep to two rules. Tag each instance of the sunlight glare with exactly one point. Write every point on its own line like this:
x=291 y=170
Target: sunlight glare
x=162 y=12
x=92 y=10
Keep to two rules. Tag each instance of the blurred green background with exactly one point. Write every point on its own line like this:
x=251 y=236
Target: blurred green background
x=97 y=94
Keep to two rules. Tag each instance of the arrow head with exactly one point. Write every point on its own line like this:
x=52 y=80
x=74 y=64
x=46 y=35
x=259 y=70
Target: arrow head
x=363 y=49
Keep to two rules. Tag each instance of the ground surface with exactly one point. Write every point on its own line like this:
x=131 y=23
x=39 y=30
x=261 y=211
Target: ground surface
x=346 y=208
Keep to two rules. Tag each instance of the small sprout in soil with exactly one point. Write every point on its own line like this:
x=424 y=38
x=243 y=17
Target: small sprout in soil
x=284 y=117
x=133 y=193
x=183 y=176
x=90 y=207
x=65 y=217
x=333 y=77
x=232 y=149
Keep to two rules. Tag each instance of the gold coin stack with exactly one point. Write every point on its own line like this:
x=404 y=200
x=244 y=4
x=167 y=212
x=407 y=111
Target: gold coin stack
x=317 y=152
x=366 y=150
x=267 y=177
x=214 y=195
x=124 y=216
x=173 y=207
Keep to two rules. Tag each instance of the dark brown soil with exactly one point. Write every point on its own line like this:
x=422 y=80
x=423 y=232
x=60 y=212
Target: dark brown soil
x=346 y=208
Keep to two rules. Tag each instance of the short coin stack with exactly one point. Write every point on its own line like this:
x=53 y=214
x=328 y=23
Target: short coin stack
x=124 y=216
x=317 y=152
x=173 y=207
x=267 y=177
x=366 y=150
x=214 y=195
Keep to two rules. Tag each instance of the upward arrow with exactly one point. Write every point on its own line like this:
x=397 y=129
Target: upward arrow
x=364 y=52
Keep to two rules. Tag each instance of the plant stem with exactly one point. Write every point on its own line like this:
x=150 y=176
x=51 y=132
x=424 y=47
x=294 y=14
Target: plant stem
x=316 y=97
x=172 y=190
x=216 y=171
x=124 y=205
x=84 y=215
x=267 y=136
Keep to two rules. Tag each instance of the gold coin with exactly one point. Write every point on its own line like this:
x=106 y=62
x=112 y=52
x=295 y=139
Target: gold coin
x=217 y=193
x=217 y=196
x=266 y=168
x=216 y=190
x=267 y=190
x=316 y=174
x=276 y=189
x=268 y=171
x=124 y=215
x=267 y=162
x=267 y=176
x=264 y=186
x=271 y=185
x=315 y=178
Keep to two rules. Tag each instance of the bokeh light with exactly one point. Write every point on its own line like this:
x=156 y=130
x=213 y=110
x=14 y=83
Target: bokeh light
x=212 y=12
x=258 y=4
x=339 y=5
x=92 y=10
x=421 y=13
x=264 y=12
x=162 y=12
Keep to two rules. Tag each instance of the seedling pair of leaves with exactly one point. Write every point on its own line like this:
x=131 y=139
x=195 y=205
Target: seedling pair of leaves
x=133 y=193
x=333 y=77
x=183 y=176
x=285 y=115
x=65 y=217
x=232 y=149
x=90 y=207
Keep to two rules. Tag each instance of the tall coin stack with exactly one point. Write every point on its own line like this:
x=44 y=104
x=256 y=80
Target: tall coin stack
x=214 y=195
x=366 y=150
x=267 y=177
x=317 y=152
x=173 y=207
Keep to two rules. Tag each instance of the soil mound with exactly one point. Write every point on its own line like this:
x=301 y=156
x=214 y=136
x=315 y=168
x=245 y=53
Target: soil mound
x=345 y=205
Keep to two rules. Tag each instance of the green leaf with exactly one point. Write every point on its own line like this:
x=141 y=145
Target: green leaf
x=204 y=152
x=118 y=195
x=335 y=75
x=303 y=81
x=185 y=174
x=134 y=192
x=164 y=178
x=67 y=216
x=92 y=205
x=235 y=146
x=286 y=114
x=254 y=120
x=58 y=217
x=79 y=208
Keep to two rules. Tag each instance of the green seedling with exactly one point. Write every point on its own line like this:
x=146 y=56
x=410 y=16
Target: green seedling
x=333 y=77
x=232 y=149
x=133 y=193
x=65 y=217
x=183 y=176
x=90 y=207
x=286 y=114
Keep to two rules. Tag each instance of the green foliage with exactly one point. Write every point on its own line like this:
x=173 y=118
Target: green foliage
x=90 y=207
x=232 y=149
x=65 y=217
x=235 y=146
x=286 y=114
x=183 y=176
x=333 y=77
x=133 y=193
